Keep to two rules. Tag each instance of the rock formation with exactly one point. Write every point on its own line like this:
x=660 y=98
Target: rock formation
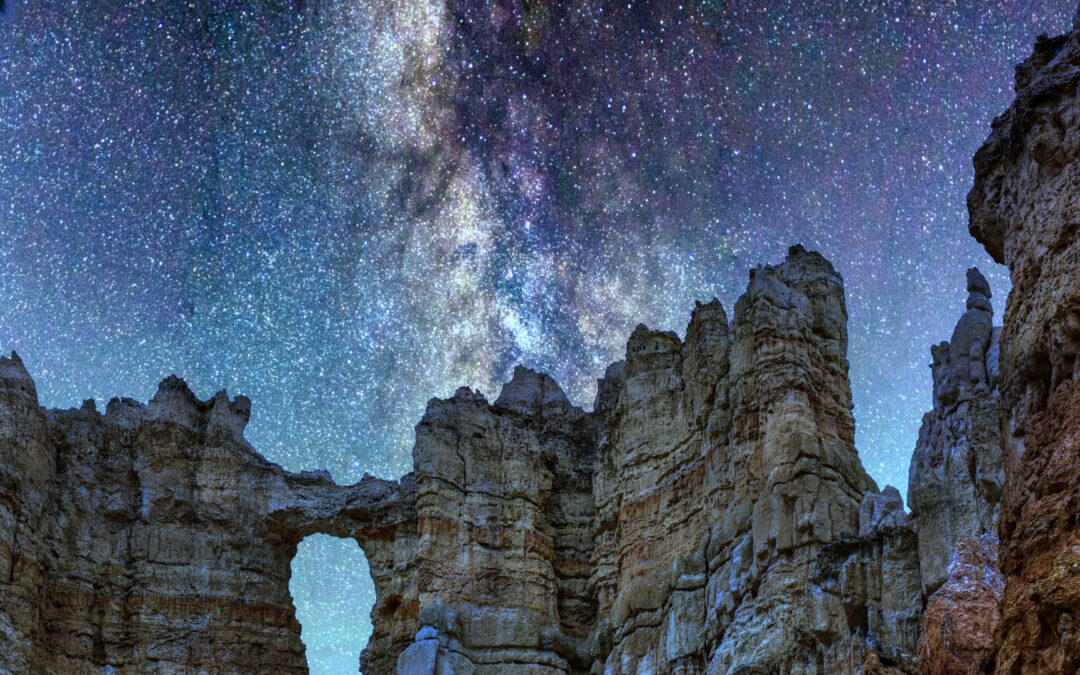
x=954 y=490
x=726 y=464
x=1023 y=209
x=961 y=616
x=154 y=539
x=505 y=509
x=710 y=515
x=955 y=478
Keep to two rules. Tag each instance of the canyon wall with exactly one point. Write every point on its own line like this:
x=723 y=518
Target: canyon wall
x=709 y=515
x=726 y=465
x=955 y=477
x=1024 y=209
x=954 y=490
x=153 y=539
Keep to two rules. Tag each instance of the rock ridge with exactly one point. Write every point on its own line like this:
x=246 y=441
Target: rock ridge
x=710 y=515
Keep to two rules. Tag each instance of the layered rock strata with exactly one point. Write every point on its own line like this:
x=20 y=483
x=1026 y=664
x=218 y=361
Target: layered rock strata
x=505 y=512
x=153 y=539
x=710 y=515
x=726 y=465
x=1023 y=208
x=954 y=489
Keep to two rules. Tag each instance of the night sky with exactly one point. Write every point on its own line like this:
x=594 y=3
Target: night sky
x=343 y=208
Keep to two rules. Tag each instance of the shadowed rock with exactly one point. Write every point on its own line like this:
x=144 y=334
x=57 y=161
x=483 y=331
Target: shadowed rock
x=955 y=477
x=1023 y=209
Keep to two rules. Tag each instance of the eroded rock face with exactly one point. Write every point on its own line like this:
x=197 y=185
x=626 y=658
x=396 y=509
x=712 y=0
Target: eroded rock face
x=710 y=515
x=869 y=585
x=956 y=475
x=961 y=616
x=505 y=515
x=1024 y=209
x=154 y=539
x=726 y=465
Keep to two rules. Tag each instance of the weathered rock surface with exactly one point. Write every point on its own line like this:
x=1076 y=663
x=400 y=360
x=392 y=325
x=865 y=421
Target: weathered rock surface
x=870 y=585
x=955 y=477
x=1023 y=208
x=961 y=616
x=726 y=465
x=710 y=515
x=505 y=511
x=154 y=539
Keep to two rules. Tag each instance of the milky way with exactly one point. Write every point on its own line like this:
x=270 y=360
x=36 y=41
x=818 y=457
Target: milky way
x=342 y=209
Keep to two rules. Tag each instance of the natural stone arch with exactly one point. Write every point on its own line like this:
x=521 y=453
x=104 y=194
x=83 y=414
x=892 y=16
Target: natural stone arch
x=154 y=538
x=380 y=516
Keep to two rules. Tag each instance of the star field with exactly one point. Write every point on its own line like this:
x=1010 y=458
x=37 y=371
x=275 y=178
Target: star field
x=342 y=209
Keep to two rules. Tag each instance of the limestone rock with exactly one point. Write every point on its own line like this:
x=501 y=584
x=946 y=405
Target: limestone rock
x=956 y=475
x=154 y=539
x=868 y=599
x=710 y=515
x=961 y=616
x=1023 y=209
x=880 y=511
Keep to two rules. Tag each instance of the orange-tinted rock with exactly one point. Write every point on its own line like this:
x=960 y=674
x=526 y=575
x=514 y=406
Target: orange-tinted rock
x=1024 y=208
x=961 y=616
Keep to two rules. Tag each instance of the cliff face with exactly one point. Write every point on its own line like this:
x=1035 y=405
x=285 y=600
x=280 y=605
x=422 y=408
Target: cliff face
x=726 y=464
x=710 y=515
x=958 y=624
x=1024 y=209
x=154 y=539
x=955 y=477
x=954 y=489
x=505 y=511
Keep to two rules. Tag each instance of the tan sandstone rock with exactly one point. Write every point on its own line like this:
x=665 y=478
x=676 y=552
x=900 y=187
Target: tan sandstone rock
x=726 y=464
x=710 y=515
x=154 y=539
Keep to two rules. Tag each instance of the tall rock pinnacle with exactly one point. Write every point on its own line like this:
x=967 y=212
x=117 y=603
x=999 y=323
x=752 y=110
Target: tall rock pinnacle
x=955 y=477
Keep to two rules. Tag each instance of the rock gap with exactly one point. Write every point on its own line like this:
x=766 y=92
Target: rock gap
x=334 y=605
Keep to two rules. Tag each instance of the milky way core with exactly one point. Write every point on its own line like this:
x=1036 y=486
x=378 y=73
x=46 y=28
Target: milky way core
x=342 y=209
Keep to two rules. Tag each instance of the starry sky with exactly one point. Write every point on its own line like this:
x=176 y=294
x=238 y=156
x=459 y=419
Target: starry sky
x=343 y=208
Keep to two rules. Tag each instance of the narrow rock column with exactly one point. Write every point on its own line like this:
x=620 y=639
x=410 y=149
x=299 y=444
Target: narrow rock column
x=956 y=475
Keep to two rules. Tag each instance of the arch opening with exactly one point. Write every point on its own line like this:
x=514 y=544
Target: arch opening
x=333 y=592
